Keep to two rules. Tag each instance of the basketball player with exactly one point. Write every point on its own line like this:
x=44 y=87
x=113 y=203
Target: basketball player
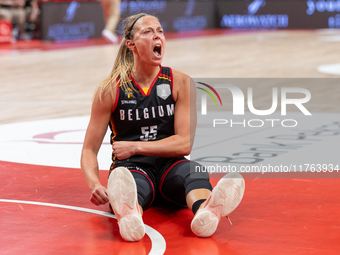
x=147 y=107
x=109 y=31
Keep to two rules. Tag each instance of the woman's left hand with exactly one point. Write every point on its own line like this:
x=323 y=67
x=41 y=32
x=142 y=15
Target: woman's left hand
x=124 y=150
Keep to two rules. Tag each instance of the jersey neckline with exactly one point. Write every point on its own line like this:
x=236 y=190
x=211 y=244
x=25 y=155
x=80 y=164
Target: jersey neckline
x=152 y=84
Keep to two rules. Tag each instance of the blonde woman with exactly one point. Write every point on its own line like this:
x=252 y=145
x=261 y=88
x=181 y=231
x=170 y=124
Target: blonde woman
x=147 y=107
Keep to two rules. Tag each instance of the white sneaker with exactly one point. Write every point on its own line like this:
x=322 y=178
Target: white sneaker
x=122 y=192
x=110 y=36
x=224 y=198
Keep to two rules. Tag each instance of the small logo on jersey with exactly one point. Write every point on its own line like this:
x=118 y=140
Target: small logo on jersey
x=128 y=102
x=128 y=93
x=163 y=91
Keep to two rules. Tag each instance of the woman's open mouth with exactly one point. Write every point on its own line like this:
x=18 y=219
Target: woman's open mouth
x=157 y=50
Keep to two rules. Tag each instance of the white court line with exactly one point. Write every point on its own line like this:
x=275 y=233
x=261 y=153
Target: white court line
x=158 y=244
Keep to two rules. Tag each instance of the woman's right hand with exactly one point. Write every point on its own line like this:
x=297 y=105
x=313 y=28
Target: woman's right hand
x=99 y=195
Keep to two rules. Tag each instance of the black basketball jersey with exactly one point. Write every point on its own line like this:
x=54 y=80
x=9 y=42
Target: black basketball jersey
x=140 y=116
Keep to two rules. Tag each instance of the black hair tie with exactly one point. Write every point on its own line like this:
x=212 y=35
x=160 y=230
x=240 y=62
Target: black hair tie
x=129 y=34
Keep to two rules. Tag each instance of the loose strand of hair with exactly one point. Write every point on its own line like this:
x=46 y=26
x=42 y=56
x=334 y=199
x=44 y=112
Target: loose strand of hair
x=121 y=68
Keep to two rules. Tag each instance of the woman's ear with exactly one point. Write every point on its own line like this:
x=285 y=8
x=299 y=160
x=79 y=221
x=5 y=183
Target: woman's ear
x=130 y=44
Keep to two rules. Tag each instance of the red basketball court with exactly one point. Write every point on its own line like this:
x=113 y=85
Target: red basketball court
x=46 y=209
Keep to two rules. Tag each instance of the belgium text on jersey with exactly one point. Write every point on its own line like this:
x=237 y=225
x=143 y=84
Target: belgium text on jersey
x=147 y=113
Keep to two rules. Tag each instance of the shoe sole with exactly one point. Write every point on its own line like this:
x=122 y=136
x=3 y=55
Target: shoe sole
x=110 y=37
x=122 y=192
x=224 y=199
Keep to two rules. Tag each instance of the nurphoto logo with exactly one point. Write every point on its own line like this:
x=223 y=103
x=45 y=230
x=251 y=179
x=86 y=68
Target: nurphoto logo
x=239 y=101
